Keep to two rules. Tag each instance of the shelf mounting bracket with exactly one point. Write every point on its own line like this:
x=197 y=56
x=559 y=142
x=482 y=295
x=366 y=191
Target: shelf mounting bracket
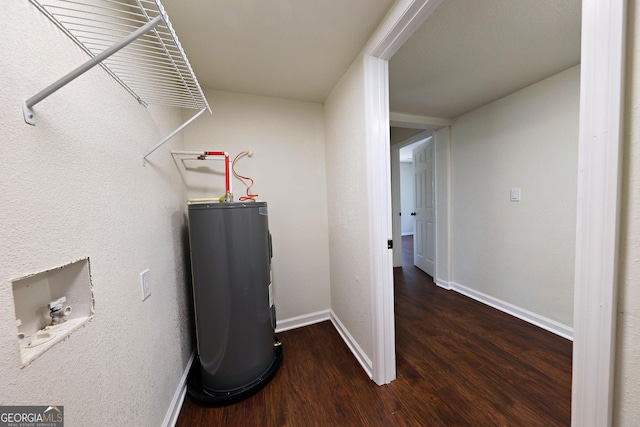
x=172 y=134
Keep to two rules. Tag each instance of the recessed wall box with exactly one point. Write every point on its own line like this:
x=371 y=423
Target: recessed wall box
x=50 y=305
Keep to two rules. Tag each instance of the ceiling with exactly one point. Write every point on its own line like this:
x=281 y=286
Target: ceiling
x=467 y=53
x=470 y=53
x=295 y=49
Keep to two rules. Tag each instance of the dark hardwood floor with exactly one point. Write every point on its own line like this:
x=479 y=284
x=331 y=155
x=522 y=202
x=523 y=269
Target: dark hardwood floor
x=460 y=363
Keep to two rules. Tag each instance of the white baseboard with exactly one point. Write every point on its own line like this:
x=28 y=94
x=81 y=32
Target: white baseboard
x=321 y=316
x=304 y=320
x=360 y=355
x=443 y=284
x=521 y=313
x=173 y=412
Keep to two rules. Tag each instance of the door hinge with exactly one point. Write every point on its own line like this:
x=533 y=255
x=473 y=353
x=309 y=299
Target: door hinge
x=390 y=244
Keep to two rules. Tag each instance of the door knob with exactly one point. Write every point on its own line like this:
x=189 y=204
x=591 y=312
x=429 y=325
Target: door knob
x=413 y=214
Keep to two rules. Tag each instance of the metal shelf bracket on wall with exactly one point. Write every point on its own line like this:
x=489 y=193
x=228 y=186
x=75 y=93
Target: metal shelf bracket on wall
x=134 y=42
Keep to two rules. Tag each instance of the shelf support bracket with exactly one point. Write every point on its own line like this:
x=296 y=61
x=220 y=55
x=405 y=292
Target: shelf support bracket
x=27 y=107
x=172 y=134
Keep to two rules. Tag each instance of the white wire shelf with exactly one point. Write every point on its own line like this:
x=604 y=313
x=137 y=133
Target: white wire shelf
x=134 y=42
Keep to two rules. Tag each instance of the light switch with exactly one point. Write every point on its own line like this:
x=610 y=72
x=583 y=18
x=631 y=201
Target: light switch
x=515 y=194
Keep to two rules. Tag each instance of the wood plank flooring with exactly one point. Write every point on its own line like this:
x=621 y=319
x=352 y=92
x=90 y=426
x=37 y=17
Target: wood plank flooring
x=460 y=363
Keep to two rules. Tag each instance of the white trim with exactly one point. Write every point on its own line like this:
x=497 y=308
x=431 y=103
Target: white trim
x=303 y=320
x=443 y=284
x=359 y=354
x=404 y=18
x=376 y=96
x=519 y=312
x=599 y=171
x=171 y=418
x=413 y=121
x=425 y=134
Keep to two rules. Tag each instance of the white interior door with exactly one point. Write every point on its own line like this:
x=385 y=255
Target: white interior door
x=424 y=234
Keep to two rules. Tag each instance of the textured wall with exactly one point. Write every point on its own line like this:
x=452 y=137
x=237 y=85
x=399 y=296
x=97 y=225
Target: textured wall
x=348 y=212
x=627 y=379
x=74 y=186
x=521 y=253
x=288 y=166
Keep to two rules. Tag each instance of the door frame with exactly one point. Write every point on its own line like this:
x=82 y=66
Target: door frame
x=599 y=175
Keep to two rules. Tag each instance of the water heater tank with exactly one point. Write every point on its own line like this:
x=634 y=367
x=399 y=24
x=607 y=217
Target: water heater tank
x=238 y=352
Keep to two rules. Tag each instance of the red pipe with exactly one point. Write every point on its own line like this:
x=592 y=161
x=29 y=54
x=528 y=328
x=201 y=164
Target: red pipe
x=226 y=175
x=226 y=169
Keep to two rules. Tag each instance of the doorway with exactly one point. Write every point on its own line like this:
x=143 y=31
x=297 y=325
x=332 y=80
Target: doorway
x=603 y=35
x=403 y=185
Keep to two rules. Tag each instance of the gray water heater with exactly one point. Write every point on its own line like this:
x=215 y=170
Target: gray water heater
x=238 y=352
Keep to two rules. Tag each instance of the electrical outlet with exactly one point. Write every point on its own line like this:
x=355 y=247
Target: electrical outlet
x=144 y=283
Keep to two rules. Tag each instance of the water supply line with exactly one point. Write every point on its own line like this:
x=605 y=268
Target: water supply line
x=248 y=182
x=204 y=155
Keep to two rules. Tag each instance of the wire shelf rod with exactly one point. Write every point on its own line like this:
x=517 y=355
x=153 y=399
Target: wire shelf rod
x=163 y=73
x=144 y=45
x=165 y=103
x=147 y=47
x=88 y=6
x=157 y=72
x=145 y=61
x=166 y=94
x=152 y=74
x=163 y=90
x=79 y=27
x=98 y=17
x=109 y=21
x=171 y=98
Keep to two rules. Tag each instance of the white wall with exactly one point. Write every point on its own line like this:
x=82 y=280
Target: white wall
x=521 y=253
x=74 y=186
x=348 y=212
x=407 y=202
x=288 y=167
x=627 y=378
